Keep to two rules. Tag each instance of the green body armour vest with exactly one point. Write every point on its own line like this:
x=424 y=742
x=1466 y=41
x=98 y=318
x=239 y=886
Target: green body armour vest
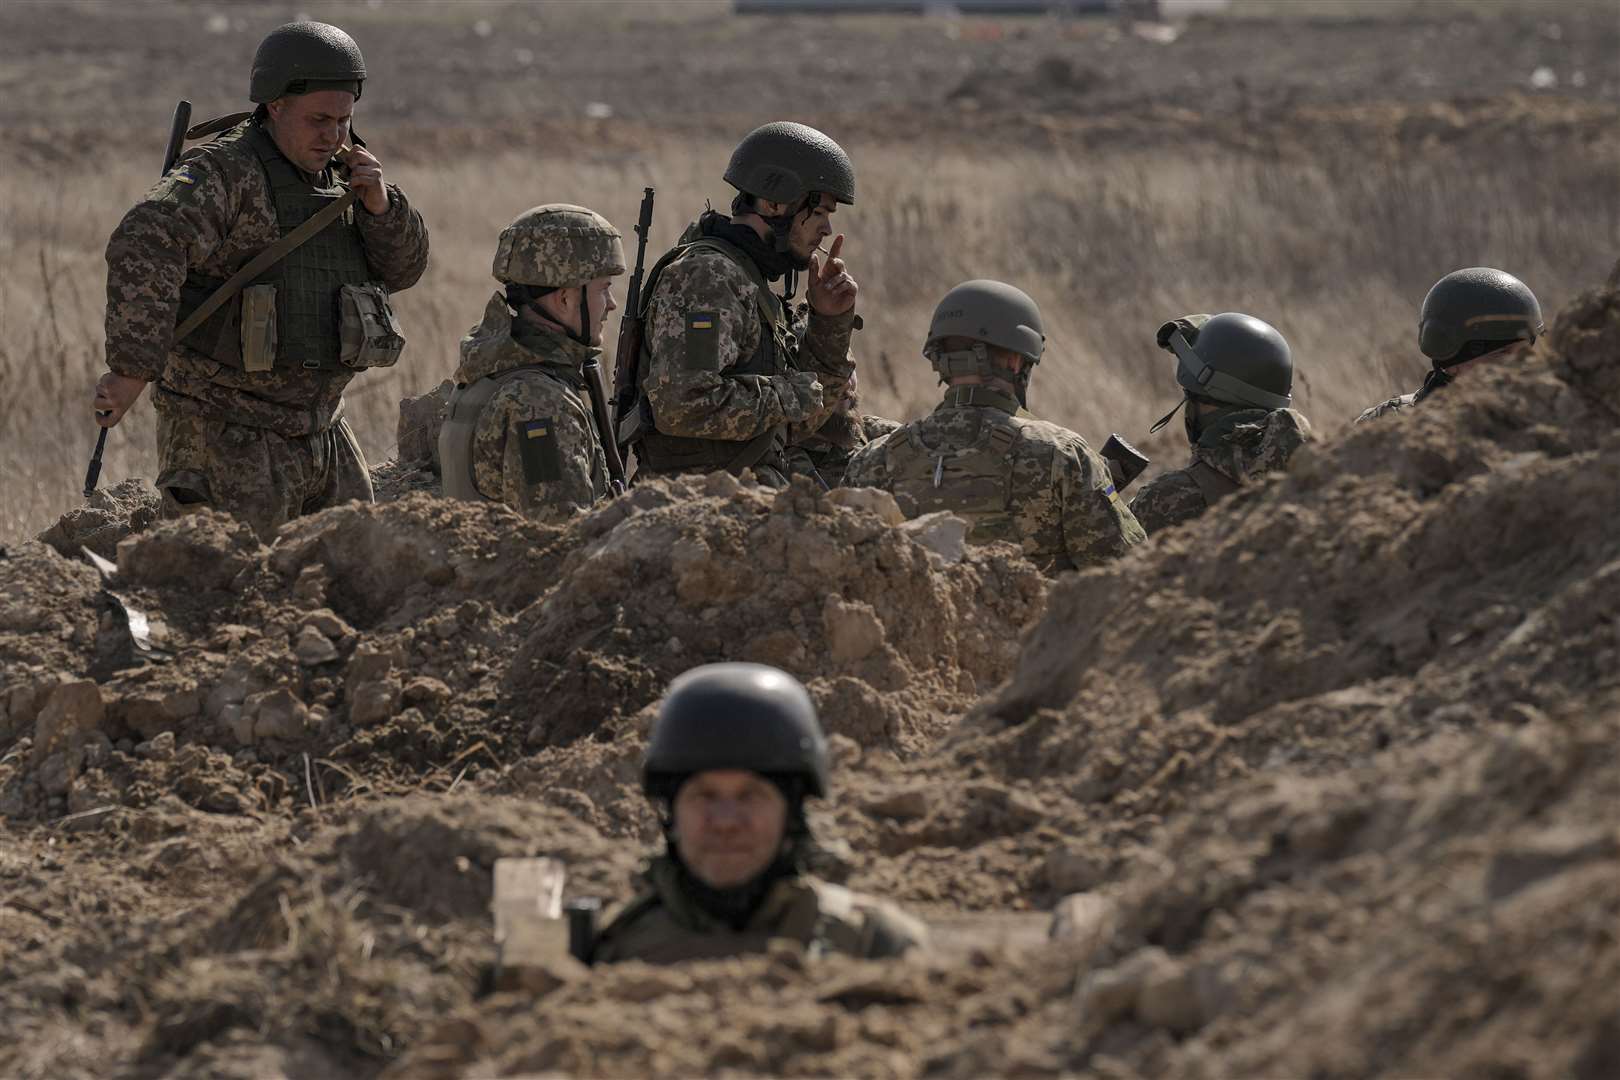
x=307 y=281
x=661 y=453
x=972 y=478
x=461 y=428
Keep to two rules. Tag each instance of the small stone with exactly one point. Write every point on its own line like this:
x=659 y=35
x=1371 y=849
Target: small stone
x=72 y=710
x=1106 y=995
x=906 y=804
x=941 y=532
x=853 y=630
x=314 y=648
x=375 y=702
x=1169 y=998
x=370 y=662
x=275 y=714
x=721 y=484
x=871 y=500
x=329 y=624
x=159 y=747
x=1068 y=870
x=426 y=692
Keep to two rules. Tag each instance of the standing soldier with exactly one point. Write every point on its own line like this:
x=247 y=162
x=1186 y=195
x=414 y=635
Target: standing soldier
x=1237 y=378
x=519 y=429
x=1470 y=317
x=250 y=402
x=981 y=455
x=734 y=753
x=727 y=380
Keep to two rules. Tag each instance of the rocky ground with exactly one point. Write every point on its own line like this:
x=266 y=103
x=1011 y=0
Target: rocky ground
x=1323 y=784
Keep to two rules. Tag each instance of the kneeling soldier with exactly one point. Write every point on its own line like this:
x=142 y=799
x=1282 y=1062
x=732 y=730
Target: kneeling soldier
x=734 y=753
x=519 y=428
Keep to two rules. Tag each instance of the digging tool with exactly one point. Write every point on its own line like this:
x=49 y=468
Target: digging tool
x=171 y=153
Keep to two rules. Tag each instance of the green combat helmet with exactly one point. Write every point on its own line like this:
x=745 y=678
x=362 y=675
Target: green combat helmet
x=1232 y=359
x=784 y=162
x=990 y=314
x=1475 y=311
x=304 y=56
x=735 y=716
x=558 y=246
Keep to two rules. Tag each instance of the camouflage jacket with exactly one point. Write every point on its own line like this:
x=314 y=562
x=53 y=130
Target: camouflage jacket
x=664 y=926
x=1231 y=451
x=535 y=445
x=1435 y=380
x=1011 y=476
x=829 y=450
x=210 y=214
x=692 y=388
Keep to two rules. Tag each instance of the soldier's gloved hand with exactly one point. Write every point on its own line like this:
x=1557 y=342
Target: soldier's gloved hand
x=1189 y=325
x=800 y=392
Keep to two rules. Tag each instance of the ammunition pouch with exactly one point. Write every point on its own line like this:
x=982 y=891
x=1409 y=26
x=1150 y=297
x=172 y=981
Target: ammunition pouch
x=367 y=329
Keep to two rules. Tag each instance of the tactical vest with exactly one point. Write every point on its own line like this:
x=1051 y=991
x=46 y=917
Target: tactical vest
x=306 y=281
x=661 y=453
x=460 y=429
x=974 y=480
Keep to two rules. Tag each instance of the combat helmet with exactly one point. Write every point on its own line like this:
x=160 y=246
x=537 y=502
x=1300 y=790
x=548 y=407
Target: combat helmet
x=1233 y=359
x=1475 y=311
x=990 y=314
x=558 y=246
x=304 y=56
x=784 y=162
x=735 y=716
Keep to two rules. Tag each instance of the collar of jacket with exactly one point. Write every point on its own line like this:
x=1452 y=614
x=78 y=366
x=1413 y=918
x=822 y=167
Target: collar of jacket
x=1217 y=429
x=500 y=343
x=772 y=263
x=666 y=878
x=980 y=396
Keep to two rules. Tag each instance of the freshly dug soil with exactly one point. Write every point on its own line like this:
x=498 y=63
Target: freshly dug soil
x=1322 y=784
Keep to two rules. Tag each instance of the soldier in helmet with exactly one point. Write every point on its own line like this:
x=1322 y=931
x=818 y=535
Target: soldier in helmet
x=250 y=402
x=519 y=429
x=729 y=377
x=735 y=751
x=981 y=455
x=1470 y=317
x=1237 y=380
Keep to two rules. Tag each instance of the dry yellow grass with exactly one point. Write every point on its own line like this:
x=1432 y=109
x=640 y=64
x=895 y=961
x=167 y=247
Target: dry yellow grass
x=1337 y=253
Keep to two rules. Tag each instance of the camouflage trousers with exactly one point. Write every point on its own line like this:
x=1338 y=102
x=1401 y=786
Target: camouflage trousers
x=254 y=474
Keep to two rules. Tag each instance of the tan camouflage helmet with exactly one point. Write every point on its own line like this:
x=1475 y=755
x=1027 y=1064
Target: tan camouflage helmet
x=558 y=246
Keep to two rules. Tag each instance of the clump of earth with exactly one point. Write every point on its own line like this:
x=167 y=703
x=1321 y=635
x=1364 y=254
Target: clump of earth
x=1320 y=784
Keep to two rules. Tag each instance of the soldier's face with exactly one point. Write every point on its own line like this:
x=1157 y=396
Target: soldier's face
x=600 y=294
x=310 y=128
x=730 y=825
x=812 y=227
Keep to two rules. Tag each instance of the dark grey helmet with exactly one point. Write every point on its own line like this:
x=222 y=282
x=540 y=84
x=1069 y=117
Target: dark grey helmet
x=784 y=161
x=1235 y=359
x=293 y=57
x=736 y=716
x=991 y=312
x=1477 y=306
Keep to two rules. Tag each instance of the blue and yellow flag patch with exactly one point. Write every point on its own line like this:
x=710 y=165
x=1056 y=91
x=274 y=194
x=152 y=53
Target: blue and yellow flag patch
x=1112 y=493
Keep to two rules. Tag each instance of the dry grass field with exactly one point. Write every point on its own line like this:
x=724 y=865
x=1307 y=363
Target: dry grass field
x=1322 y=186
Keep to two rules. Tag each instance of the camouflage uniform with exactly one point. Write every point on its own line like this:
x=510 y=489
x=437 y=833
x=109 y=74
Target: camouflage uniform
x=263 y=445
x=1011 y=476
x=1231 y=450
x=829 y=450
x=1436 y=379
x=664 y=926
x=535 y=445
x=723 y=363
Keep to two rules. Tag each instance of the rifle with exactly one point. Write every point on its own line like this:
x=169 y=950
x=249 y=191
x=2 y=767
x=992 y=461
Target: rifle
x=596 y=385
x=631 y=327
x=171 y=153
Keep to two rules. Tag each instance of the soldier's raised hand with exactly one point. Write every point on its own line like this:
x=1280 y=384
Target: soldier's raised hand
x=114 y=396
x=366 y=177
x=832 y=291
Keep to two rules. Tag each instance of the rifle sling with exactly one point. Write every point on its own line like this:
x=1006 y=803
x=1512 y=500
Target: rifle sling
x=263 y=261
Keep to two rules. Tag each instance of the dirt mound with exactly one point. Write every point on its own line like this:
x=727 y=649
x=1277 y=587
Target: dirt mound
x=1319 y=784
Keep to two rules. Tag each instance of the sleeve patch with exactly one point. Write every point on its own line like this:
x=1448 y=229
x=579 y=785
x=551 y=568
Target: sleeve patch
x=538 y=449
x=184 y=176
x=702 y=341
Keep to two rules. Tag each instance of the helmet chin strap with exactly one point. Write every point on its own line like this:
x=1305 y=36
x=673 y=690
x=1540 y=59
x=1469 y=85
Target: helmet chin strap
x=1166 y=418
x=583 y=336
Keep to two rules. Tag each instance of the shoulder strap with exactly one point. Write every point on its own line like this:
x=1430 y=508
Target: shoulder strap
x=1214 y=484
x=764 y=299
x=263 y=261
